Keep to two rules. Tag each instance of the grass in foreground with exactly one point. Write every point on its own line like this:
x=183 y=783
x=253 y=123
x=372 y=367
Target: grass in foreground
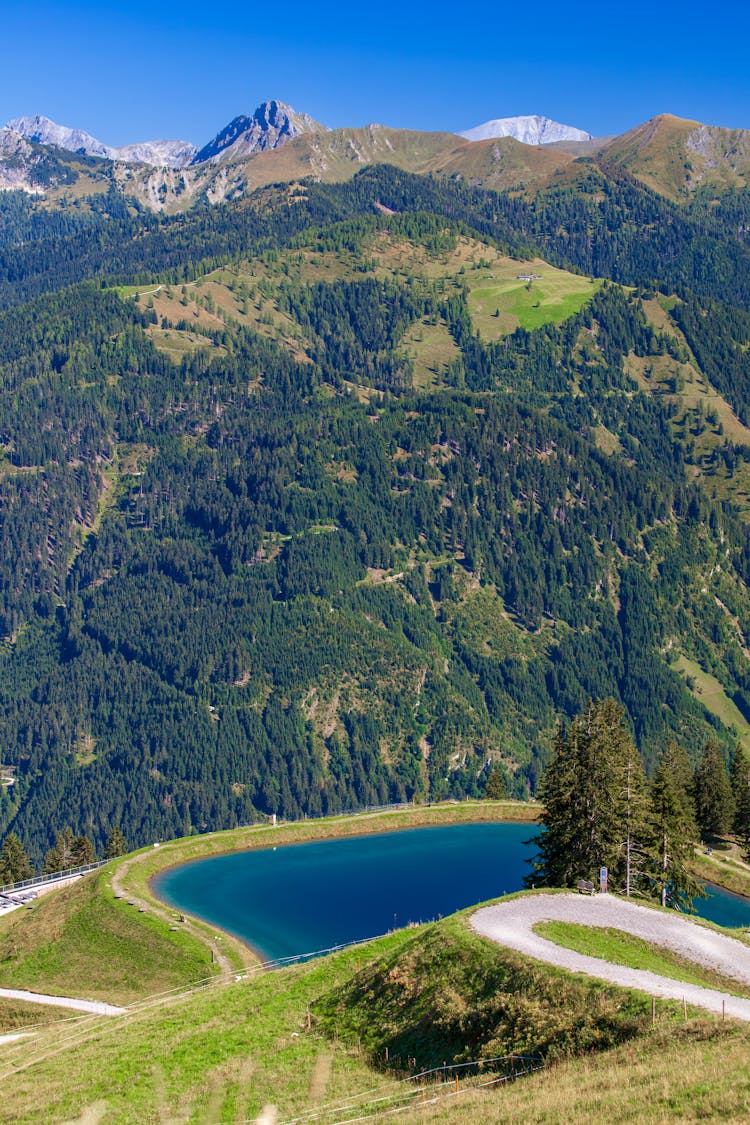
x=221 y=1055
x=449 y=994
x=438 y=992
x=697 y=1073
x=621 y=948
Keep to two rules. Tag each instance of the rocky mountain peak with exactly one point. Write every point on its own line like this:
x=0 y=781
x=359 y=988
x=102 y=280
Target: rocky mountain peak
x=270 y=126
x=45 y=132
x=174 y=154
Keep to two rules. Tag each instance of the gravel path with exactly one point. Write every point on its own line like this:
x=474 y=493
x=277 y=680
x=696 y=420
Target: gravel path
x=97 y=1006
x=510 y=923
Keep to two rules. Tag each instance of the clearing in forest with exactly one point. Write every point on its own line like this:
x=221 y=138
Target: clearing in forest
x=512 y=295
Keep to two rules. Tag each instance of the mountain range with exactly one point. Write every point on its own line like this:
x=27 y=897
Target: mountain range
x=172 y=154
x=276 y=144
x=270 y=126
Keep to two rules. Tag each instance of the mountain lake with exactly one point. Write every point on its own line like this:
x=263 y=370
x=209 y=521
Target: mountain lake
x=298 y=899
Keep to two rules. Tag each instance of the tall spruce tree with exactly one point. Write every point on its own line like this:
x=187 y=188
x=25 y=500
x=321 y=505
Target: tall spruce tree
x=68 y=851
x=14 y=863
x=116 y=844
x=673 y=831
x=739 y=778
x=676 y=761
x=595 y=804
x=714 y=804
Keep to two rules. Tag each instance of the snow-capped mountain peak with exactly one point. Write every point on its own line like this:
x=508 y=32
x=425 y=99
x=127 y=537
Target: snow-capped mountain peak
x=532 y=130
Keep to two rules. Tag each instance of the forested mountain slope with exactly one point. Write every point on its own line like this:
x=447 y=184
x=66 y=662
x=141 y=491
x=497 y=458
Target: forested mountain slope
x=336 y=495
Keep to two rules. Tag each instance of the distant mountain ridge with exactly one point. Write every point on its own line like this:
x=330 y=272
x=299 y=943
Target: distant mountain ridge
x=43 y=131
x=271 y=125
x=276 y=144
x=533 y=130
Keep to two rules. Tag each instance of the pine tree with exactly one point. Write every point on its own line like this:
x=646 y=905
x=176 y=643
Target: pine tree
x=635 y=809
x=674 y=831
x=14 y=863
x=496 y=787
x=739 y=778
x=595 y=803
x=59 y=856
x=676 y=761
x=558 y=861
x=116 y=844
x=714 y=804
x=68 y=851
x=83 y=851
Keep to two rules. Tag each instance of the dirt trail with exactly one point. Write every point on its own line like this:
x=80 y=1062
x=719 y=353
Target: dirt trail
x=227 y=970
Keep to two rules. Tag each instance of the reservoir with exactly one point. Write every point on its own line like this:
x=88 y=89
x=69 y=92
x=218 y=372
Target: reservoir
x=302 y=898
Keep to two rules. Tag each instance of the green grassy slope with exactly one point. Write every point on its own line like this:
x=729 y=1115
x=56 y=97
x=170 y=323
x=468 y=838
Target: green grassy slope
x=247 y=294
x=308 y=1038
x=80 y=941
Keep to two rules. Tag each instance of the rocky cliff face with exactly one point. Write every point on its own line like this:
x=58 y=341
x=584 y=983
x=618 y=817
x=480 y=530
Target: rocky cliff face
x=160 y=154
x=16 y=163
x=532 y=130
x=271 y=125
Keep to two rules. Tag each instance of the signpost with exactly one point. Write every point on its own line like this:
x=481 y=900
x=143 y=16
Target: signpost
x=603 y=880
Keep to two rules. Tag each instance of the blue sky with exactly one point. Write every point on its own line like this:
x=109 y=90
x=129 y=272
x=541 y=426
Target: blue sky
x=136 y=71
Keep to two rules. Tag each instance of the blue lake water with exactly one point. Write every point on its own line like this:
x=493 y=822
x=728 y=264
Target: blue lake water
x=301 y=898
x=724 y=908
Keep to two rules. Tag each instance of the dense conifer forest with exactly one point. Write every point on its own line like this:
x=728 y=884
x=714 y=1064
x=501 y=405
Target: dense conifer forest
x=254 y=560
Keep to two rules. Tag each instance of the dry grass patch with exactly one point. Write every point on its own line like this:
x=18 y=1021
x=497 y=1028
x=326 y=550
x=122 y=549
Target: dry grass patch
x=431 y=349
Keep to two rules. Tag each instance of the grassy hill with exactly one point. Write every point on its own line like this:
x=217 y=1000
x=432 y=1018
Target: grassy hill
x=338 y=1036
x=675 y=157
x=81 y=941
x=503 y=293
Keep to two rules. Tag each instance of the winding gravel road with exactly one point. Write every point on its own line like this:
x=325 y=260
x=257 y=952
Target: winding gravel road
x=511 y=924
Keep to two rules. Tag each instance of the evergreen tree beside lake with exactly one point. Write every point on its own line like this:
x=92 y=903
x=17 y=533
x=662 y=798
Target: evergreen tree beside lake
x=595 y=804
x=599 y=812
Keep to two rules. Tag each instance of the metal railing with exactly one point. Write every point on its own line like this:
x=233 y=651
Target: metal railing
x=39 y=880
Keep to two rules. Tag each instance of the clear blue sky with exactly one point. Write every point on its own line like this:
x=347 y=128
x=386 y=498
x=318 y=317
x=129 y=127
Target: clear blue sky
x=145 y=70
